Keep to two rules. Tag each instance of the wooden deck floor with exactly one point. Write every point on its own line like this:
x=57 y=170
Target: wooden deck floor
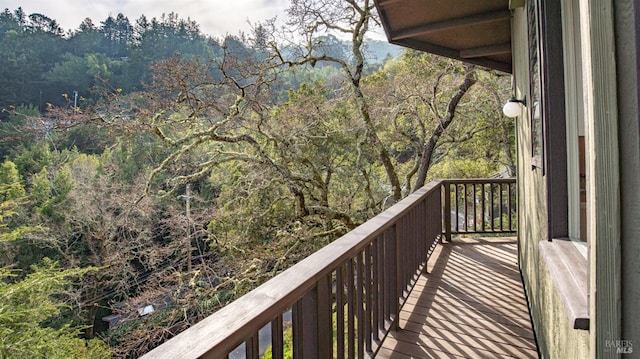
x=471 y=304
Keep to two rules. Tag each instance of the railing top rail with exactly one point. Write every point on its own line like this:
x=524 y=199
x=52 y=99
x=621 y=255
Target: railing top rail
x=478 y=180
x=225 y=329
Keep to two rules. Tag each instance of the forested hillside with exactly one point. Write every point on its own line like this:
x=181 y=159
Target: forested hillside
x=151 y=174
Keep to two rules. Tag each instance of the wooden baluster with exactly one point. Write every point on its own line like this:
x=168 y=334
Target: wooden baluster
x=312 y=327
x=467 y=207
x=360 y=304
x=368 y=299
x=297 y=326
x=509 y=212
x=474 y=206
x=340 y=314
x=482 y=215
x=252 y=348
x=387 y=276
x=493 y=208
x=457 y=204
x=376 y=290
x=277 y=338
x=351 y=307
x=395 y=286
x=501 y=208
x=447 y=211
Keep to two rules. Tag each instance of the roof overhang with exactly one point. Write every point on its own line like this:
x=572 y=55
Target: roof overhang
x=474 y=31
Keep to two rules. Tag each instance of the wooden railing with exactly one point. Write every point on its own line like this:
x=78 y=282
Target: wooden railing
x=342 y=300
x=479 y=206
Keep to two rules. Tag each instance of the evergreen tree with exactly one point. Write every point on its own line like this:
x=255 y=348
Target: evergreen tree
x=27 y=306
x=31 y=302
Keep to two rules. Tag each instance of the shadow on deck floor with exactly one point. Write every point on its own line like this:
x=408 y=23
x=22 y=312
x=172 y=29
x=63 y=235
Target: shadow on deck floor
x=469 y=304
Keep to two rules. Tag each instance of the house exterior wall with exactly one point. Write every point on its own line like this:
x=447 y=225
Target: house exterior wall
x=627 y=14
x=610 y=80
x=554 y=331
x=590 y=78
x=600 y=76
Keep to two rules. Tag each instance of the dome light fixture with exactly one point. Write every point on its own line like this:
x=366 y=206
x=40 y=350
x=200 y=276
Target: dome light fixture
x=514 y=107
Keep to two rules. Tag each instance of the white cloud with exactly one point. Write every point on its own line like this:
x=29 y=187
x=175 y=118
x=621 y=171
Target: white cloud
x=215 y=17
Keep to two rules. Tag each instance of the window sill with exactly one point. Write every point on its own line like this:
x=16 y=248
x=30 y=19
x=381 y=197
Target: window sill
x=569 y=270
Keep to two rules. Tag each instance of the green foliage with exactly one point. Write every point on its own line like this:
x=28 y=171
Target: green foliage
x=80 y=73
x=12 y=195
x=31 y=158
x=11 y=181
x=62 y=182
x=40 y=187
x=25 y=307
x=39 y=63
x=13 y=129
x=26 y=56
x=48 y=190
x=287 y=349
x=11 y=227
x=288 y=336
x=280 y=161
x=463 y=168
x=31 y=300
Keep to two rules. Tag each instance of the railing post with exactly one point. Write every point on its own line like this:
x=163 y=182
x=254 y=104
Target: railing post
x=325 y=322
x=312 y=323
x=446 y=192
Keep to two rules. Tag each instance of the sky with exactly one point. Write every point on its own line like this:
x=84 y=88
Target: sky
x=215 y=17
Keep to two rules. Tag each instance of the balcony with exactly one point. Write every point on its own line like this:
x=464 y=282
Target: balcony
x=409 y=283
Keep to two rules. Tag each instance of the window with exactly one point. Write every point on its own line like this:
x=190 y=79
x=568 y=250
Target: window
x=576 y=141
x=565 y=256
x=534 y=84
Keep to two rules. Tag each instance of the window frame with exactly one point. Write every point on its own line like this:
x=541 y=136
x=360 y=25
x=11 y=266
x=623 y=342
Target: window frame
x=535 y=85
x=564 y=258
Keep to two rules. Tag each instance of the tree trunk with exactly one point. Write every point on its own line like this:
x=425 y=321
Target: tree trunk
x=506 y=148
x=430 y=145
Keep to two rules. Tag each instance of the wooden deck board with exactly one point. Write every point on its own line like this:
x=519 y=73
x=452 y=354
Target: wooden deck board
x=469 y=304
